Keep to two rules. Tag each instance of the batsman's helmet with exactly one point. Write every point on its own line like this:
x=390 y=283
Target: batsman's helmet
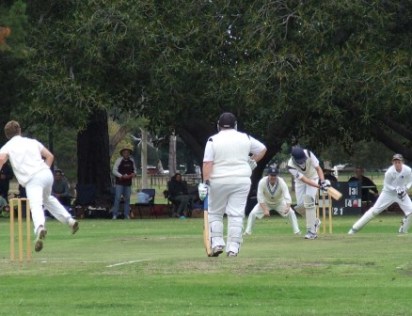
x=227 y=120
x=298 y=155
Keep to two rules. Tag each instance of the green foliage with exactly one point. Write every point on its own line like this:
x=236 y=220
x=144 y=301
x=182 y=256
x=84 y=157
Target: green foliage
x=316 y=72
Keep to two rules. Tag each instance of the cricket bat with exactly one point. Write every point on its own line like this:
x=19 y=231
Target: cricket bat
x=335 y=194
x=206 y=235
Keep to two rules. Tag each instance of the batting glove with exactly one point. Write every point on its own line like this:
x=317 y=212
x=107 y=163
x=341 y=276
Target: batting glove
x=203 y=190
x=324 y=185
x=252 y=163
x=401 y=192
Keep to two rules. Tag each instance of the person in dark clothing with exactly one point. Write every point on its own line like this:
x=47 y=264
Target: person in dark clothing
x=61 y=188
x=124 y=169
x=369 y=190
x=179 y=194
x=6 y=174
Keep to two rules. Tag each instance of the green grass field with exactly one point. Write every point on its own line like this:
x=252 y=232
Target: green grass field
x=159 y=267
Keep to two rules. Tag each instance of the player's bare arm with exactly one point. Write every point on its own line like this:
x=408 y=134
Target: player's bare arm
x=266 y=211
x=3 y=159
x=259 y=156
x=320 y=173
x=207 y=170
x=48 y=156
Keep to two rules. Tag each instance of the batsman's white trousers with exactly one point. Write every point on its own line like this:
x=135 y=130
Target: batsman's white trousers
x=302 y=189
x=280 y=208
x=384 y=200
x=38 y=191
x=229 y=199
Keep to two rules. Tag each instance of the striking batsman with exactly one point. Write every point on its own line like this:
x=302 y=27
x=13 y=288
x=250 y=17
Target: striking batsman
x=308 y=177
x=272 y=194
x=226 y=174
x=397 y=181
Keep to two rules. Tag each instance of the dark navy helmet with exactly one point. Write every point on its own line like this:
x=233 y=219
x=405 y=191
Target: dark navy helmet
x=298 y=155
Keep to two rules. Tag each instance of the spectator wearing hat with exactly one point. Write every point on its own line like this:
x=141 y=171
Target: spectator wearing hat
x=396 y=183
x=124 y=169
x=272 y=194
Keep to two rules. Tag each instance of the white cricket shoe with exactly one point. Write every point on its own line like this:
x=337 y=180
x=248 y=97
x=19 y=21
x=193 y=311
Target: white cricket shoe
x=310 y=235
x=216 y=251
x=401 y=230
x=75 y=227
x=232 y=254
x=41 y=235
x=352 y=231
x=247 y=233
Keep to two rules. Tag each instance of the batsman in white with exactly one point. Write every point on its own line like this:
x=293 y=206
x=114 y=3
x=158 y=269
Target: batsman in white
x=308 y=177
x=396 y=183
x=272 y=194
x=227 y=168
x=31 y=163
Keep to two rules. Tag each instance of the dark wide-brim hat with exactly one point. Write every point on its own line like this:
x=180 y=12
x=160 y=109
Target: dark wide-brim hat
x=124 y=149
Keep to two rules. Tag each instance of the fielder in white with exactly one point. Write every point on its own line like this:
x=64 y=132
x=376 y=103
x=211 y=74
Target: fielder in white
x=397 y=181
x=272 y=194
x=31 y=163
x=226 y=173
x=308 y=177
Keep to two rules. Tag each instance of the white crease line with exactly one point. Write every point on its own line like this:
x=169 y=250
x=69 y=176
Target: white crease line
x=124 y=263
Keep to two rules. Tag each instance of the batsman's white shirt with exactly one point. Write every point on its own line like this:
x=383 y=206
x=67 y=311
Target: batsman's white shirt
x=307 y=169
x=25 y=158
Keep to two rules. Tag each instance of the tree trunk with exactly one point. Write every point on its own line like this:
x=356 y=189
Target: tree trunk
x=143 y=155
x=172 y=155
x=93 y=161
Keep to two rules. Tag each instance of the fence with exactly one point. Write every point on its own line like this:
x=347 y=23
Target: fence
x=160 y=180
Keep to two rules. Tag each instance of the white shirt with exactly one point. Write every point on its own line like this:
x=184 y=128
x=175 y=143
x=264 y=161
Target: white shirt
x=394 y=179
x=307 y=169
x=25 y=157
x=275 y=194
x=229 y=151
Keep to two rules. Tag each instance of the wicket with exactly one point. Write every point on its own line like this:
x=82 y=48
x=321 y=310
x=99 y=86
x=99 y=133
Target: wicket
x=18 y=202
x=326 y=204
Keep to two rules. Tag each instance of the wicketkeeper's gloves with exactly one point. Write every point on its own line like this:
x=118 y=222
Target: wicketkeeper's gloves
x=401 y=192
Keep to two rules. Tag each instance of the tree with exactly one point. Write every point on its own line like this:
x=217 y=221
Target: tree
x=287 y=69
